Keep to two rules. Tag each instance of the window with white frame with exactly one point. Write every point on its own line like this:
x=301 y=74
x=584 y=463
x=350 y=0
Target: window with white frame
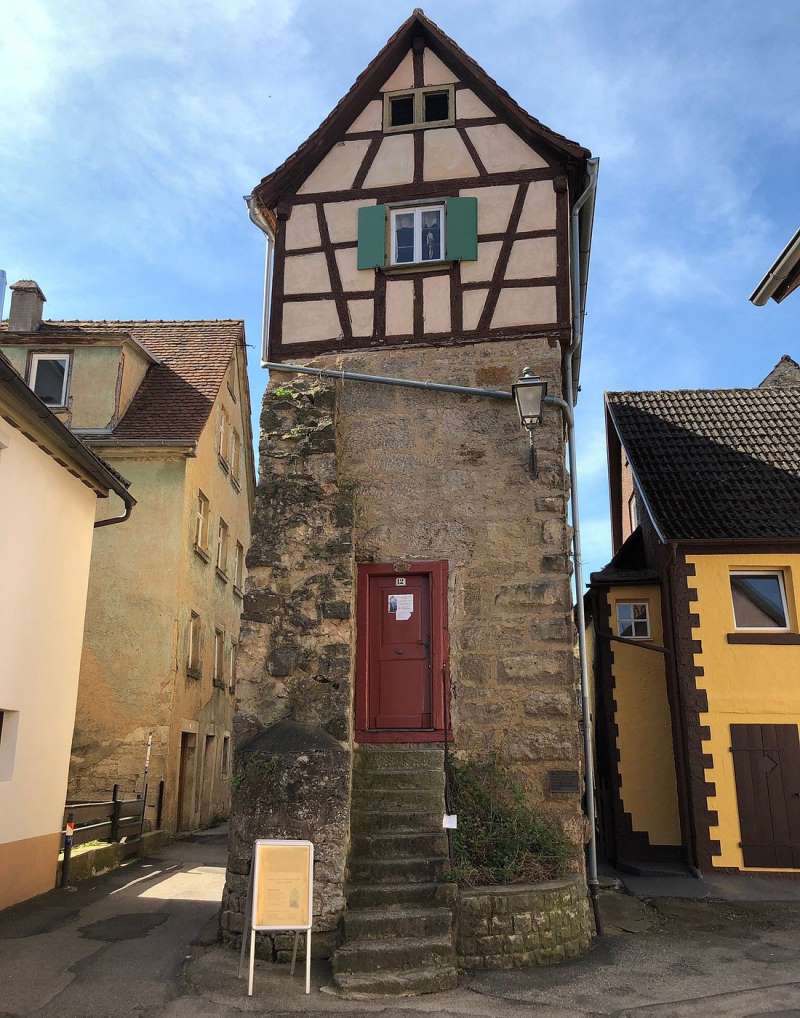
x=223 y=536
x=238 y=575
x=236 y=455
x=417 y=235
x=49 y=377
x=223 y=437
x=232 y=667
x=633 y=620
x=194 y=662
x=633 y=511
x=202 y=521
x=219 y=656
x=759 y=600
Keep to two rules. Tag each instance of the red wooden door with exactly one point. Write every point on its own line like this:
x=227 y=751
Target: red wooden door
x=766 y=761
x=400 y=675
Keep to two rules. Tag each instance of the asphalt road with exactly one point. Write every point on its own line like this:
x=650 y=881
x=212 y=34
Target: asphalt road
x=142 y=942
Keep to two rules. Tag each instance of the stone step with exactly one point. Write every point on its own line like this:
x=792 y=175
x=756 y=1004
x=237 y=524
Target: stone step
x=403 y=983
x=396 y=897
x=379 y=821
x=426 y=800
x=391 y=871
x=370 y=923
x=422 y=780
x=368 y=955
x=398 y=758
x=431 y=844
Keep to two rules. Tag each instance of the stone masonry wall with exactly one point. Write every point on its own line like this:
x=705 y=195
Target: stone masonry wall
x=442 y=476
x=528 y=924
x=294 y=693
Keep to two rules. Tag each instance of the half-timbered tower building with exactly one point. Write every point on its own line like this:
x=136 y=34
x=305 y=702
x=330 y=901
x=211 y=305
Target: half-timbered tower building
x=409 y=578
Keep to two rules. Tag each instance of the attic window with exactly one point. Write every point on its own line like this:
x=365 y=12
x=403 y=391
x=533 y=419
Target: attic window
x=417 y=108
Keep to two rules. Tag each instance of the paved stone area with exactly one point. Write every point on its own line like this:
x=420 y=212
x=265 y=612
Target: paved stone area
x=142 y=942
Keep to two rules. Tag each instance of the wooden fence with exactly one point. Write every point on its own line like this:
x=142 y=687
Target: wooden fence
x=112 y=819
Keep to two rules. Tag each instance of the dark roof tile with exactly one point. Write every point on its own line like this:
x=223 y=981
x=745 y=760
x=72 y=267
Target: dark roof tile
x=715 y=463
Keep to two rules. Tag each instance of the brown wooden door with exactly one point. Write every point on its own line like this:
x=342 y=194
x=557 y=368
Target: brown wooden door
x=400 y=687
x=766 y=761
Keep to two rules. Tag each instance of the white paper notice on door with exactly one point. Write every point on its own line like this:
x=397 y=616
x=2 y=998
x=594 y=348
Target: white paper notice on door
x=402 y=606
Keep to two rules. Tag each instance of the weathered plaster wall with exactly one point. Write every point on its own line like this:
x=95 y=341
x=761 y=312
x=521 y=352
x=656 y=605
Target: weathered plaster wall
x=46 y=528
x=642 y=714
x=128 y=662
x=745 y=684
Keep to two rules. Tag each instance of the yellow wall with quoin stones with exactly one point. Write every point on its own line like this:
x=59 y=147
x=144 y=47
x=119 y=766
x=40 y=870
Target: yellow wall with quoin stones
x=746 y=684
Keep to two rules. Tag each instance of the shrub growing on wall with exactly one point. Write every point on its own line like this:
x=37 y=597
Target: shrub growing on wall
x=499 y=839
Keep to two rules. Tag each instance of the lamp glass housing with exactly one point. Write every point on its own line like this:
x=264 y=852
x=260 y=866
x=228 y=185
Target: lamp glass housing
x=529 y=392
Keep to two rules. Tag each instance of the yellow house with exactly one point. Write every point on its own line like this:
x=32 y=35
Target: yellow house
x=167 y=403
x=696 y=629
x=50 y=483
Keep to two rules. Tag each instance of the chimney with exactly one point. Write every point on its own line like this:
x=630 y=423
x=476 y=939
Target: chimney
x=27 y=302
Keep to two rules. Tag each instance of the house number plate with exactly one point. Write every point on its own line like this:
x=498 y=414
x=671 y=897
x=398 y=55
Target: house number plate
x=400 y=581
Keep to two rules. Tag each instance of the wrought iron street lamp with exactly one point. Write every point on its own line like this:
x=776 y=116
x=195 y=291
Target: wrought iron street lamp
x=529 y=393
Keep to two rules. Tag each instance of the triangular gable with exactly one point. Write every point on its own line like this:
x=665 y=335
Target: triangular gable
x=358 y=107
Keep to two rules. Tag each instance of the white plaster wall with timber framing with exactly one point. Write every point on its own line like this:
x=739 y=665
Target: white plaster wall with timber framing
x=498 y=267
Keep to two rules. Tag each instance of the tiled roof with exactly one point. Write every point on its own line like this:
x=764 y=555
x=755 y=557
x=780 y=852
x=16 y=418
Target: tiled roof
x=175 y=398
x=715 y=463
x=290 y=173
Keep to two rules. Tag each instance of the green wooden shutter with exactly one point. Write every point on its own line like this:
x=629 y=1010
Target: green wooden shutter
x=462 y=229
x=372 y=237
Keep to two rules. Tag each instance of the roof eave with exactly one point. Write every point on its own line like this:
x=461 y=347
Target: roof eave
x=786 y=261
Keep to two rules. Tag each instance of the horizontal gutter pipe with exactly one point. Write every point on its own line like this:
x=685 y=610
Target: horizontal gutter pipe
x=129 y=504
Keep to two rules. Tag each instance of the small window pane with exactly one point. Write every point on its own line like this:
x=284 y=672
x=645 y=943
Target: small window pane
x=49 y=381
x=633 y=620
x=431 y=235
x=436 y=106
x=402 y=110
x=758 y=601
x=404 y=237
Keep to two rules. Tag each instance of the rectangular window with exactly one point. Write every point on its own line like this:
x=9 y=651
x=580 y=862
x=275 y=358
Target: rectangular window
x=633 y=620
x=759 y=600
x=222 y=547
x=633 y=512
x=223 y=438
x=238 y=576
x=417 y=235
x=194 y=662
x=236 y=455
x=415 y=108
x=232 y=667
x=231 y=380
x=219 y=656
x=9 y=725
x=49 y=375
x=202 y=522
x=226 y=755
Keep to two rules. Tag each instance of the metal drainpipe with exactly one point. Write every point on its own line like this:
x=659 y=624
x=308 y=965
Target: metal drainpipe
x=578 y=310
x=260 y=222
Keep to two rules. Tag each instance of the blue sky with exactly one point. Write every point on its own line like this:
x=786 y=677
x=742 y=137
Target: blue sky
x=131 y=131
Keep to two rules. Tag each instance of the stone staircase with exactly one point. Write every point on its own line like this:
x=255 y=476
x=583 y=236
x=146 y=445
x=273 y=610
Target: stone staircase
x=398 y=936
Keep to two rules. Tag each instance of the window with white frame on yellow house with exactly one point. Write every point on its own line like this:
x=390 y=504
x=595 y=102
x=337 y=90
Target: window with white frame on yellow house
x=223 y=438
x=238 y=574
x=202 y=520
x=48 y=376
x=194 y=656
x=223 y=534
x=232 y=666
x=219 y=657
x=633 y=620
x=236 y=458
x=759 y=600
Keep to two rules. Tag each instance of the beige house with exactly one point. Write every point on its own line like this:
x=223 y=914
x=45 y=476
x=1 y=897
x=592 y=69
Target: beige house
x=167 y=403
x=50 y=483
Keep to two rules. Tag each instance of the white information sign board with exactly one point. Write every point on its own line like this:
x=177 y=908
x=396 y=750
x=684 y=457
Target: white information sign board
x=280 y=897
